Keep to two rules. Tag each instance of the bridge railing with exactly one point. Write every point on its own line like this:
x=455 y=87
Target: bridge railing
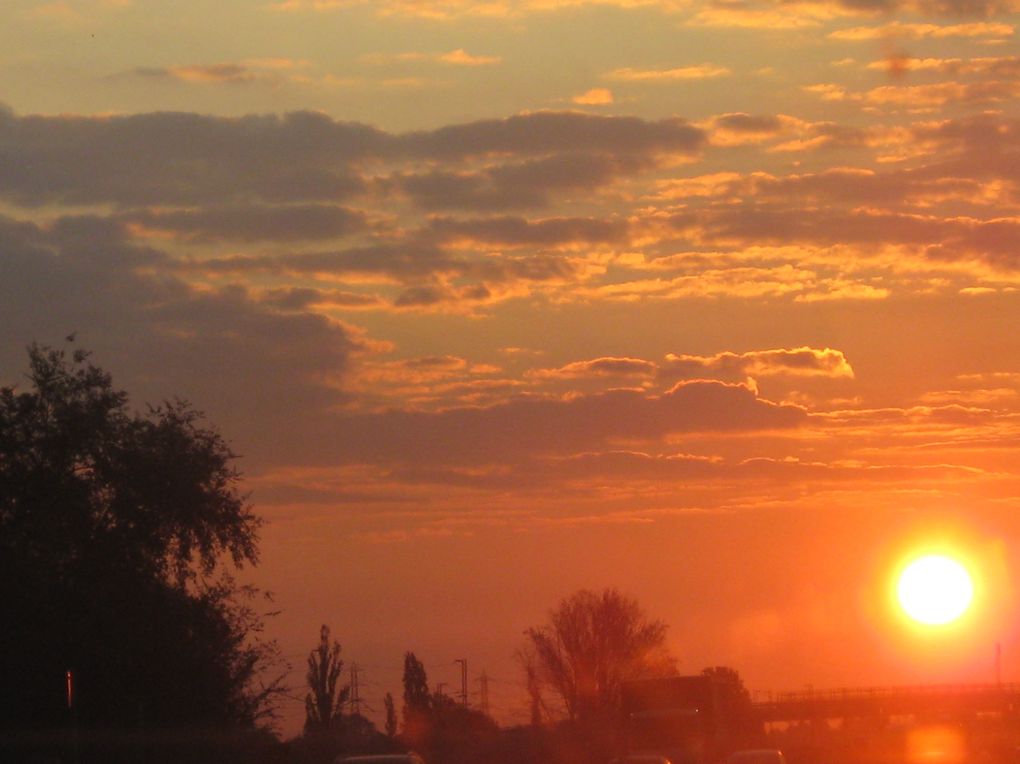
x=904 y=699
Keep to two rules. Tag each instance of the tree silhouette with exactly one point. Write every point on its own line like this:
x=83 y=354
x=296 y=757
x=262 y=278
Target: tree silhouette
x=391 y=715
x=417 y=702
x=113 y=526
x=458 y=734
x=734 y=704
x=591 y=645
x=324 y=701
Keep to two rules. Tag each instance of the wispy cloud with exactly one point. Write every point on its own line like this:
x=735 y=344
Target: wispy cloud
x=977 y=29
x=230 y=73
x=696 y=72
x=251 y=70
x=457 y=57
x=727 y=366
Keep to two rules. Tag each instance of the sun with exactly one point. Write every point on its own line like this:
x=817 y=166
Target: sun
x=935 y=590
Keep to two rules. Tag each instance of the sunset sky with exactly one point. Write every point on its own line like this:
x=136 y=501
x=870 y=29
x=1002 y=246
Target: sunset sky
x=712 y=301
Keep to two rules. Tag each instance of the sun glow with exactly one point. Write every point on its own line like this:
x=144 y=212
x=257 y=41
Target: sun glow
x=935 y=590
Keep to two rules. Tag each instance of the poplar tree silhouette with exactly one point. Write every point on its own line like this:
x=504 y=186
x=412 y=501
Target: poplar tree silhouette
x=417 y=702
x=391 y=716
x=324 y=701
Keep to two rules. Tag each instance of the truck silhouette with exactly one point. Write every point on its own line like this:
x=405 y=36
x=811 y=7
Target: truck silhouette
x=699 y=719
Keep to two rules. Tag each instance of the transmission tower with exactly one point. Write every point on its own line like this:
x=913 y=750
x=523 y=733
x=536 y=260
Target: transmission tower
x=463 y=681
x=355 y=696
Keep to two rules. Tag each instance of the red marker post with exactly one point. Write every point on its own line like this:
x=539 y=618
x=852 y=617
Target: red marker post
x=69 y=678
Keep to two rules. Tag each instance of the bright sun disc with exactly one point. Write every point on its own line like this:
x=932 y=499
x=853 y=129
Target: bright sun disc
x=935 y=590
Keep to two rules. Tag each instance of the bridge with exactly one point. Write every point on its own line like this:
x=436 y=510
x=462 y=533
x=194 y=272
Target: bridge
x=939 y=699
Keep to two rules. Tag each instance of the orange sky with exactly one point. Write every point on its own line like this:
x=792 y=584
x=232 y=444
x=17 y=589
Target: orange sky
x=713 y=302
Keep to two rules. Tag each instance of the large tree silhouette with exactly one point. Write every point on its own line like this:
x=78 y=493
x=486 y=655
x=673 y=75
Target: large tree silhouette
x=113 y=529
x=590 y=646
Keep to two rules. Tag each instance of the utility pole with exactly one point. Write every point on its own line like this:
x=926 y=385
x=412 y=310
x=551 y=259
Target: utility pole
x=355 y=697
x=483 y=693
x=463 y=681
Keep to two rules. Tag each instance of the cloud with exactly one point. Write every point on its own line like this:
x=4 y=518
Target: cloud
x=697 y=72
x=251 y=368
x=741 y=123
x=766 y=15
x=599 y=367
x=527 y=427
x=997 y=66
x=594 y=97
x=519 y=185
x=447 y=10
x=307 y=157
x=230 y=73
x=797 y=362
x=431 y=382
x=545 y=132
x=201 y=73
x=199 y=160
x=429 y=277
x=940 y=94
x=838 y=289
x=442 y=296
x=634 y=468
x=725 y=366
x=706 y=283
x=922 y=97
x=398 y=262
x=977 y=29
x=930 y=236
x=277 y=63
x=458 y=57
x=305 y=298
x=742 y=13
x=512 y=231
x=251 y=223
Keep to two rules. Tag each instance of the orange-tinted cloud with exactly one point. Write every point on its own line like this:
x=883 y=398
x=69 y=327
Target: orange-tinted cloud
x=506 y=231
x=457 y=57
x=802 y=361
x=599 y=367
x=202 y=73
x=594 y=97
x=460 y=57
x=696 y=72
x=980 y=29
x=796 y=362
